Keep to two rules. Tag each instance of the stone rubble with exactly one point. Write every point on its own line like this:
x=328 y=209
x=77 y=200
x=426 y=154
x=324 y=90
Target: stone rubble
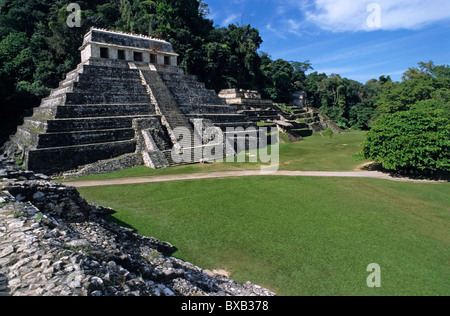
x=54 y=243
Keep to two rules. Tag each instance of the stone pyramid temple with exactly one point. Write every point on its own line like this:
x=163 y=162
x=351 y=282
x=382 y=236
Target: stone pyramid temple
x=123 y=106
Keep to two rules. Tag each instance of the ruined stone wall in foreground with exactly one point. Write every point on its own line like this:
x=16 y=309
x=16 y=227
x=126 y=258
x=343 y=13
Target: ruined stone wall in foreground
x=54 y=243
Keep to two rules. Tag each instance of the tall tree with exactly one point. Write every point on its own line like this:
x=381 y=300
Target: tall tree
x=413 y=130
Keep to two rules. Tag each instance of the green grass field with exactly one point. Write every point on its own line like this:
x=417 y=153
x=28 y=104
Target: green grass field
x=297 y=236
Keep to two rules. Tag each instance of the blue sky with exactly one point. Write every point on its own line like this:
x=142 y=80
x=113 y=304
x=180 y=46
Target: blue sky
x=358 y=39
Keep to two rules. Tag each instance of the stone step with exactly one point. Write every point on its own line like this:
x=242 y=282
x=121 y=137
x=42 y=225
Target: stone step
x=207 y=109
x=166 y=103
x=185 y=85
x=298 y=125
x=197 y=100
x=104 y=98
x=259 y=112
x=311 y=120
x=61 y=159
x=85 y=111
x=179 y=77
x=27 y=135
x=47 y=112
x=35 y=123
x=196 y=91
x=50 y=140
x=262 y=118
x=218 y=118
x=307 y=115
x=317 y=126
x=68 y=83
x=256 y=103
x=90 y=124
x=181 y=93
x=61 y=90
x=188 y=90
x=113 y=87
x=122 y=76
x=92 y=82
x=35 y=138
x=302 y=132
x=257 y=116
x=244 y=124
x=73 y=75
x=109 y=72
x=53 y=100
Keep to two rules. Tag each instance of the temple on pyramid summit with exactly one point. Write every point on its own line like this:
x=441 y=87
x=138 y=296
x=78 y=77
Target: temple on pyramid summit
x=122 y=107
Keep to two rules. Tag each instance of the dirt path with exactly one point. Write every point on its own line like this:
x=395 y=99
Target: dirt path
x=248 y=173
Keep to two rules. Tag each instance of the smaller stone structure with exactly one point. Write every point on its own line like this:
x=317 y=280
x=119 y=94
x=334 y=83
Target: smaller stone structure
x=250 y=103
x=299 y=99
x=103 y=47
x=295 y=120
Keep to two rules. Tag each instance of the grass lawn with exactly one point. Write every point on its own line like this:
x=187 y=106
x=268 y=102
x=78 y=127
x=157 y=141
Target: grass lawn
x=315 y=153
x=318 y=153
x=300 y=236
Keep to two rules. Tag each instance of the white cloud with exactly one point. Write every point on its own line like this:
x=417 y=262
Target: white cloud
x=231 y=19
x=277 y=32
x=294 y=27
x=352 y=15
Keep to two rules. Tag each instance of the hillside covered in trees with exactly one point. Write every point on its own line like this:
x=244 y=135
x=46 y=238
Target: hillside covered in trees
x=37 y=48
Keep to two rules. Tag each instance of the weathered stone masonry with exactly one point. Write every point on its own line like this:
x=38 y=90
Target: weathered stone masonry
x=54 y=243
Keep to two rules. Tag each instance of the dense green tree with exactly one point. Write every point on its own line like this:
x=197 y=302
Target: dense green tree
x=347 y=102
x=300 y=70
x=311 y=87
x=413 y=129
x=279 y=74
x=280 y=78
x=338 y=97
x=419 y=84
x=415 y=139
x=218 y=66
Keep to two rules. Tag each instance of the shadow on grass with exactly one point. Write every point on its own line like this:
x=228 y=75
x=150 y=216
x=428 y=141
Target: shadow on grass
x=413 y=174
x=160 y=245
x=112 y=219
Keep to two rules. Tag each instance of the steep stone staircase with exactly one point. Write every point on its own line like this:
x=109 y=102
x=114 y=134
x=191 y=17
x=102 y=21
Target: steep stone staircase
x=198 y=103
x=172 y=118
